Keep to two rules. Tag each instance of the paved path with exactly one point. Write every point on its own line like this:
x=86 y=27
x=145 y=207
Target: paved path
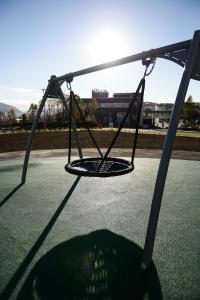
x=41 y=215
x=148 y=153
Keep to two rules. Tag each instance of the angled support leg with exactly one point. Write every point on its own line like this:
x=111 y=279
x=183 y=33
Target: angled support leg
x=73 y=123
x=166 y=154
x=34 y=126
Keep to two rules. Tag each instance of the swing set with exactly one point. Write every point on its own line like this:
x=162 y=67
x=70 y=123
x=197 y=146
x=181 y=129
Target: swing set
x=105 y=166
x=185 y=54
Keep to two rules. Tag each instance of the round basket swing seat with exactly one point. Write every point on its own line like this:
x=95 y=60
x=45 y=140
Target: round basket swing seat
x=93 y=167
x=105 y=166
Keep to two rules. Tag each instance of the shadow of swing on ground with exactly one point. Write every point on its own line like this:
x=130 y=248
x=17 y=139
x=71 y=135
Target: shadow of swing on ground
x=7 y=292
x=12 y=168
x=10 y=194
x=100 y=265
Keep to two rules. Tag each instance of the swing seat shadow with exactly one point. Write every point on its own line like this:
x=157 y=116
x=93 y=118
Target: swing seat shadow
x=100 y=265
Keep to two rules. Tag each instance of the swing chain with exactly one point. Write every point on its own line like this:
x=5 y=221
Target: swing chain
x=147 y=63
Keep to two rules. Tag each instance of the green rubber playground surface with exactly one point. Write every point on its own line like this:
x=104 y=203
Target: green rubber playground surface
x=52 y=207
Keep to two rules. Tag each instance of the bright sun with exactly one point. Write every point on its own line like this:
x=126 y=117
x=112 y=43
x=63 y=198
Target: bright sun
x=107 y=46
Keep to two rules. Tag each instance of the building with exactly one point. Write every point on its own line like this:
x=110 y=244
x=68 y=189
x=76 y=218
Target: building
x=112 y=110
x=156 y=114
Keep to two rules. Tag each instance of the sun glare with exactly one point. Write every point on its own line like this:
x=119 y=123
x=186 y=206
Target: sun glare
x=107 y=46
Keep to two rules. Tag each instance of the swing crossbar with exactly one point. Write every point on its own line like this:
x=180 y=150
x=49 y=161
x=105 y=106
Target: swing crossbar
x=153 y=53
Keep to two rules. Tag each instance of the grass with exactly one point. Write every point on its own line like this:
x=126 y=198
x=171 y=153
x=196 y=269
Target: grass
x=193 y=134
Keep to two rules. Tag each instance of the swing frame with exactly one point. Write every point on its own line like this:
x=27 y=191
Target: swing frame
x=185 y=54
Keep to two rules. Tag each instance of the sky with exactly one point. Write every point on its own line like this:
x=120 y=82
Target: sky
x=40 y=38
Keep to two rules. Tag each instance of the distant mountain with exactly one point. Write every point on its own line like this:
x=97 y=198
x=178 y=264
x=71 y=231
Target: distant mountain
x=5 y=108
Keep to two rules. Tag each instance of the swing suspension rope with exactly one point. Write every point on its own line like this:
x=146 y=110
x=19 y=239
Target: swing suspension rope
x=73 y=99
x=105 y=166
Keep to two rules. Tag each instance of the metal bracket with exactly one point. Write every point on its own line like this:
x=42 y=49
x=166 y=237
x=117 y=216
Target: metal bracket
x=196 y=69
x=180 y=57
x=53 y=91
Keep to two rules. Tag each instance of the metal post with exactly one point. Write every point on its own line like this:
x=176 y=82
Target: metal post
x=166 y=154
x=34 y=126
x=73 y=123
x=45 y=125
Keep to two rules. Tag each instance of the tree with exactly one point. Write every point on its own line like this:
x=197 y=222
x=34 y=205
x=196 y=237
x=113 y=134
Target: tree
x=92 y=109
x=54 y=111
x=75 y=112
x=24 y=119
x=12 y=117
x=50 y=110
x=187 y=111
x=60 y=111
x=32 y=112
x=2 y=118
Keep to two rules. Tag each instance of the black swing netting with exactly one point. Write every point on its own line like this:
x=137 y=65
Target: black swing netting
x=104 y=165
x=94 y=167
